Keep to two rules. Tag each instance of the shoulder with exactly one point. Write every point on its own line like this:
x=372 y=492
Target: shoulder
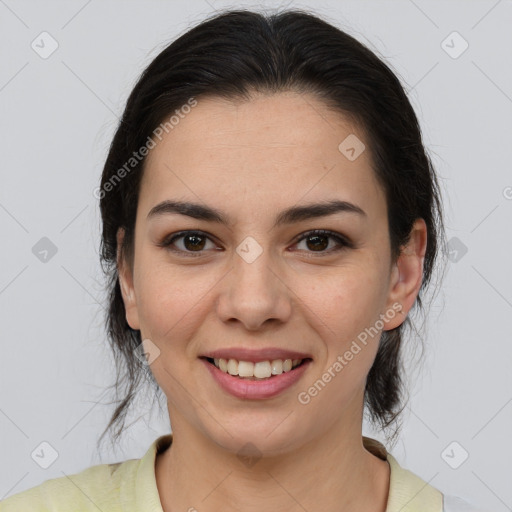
x=96 y=488
x=126 y=486
x=407 y=491
x=419 y=495
x=410 y=493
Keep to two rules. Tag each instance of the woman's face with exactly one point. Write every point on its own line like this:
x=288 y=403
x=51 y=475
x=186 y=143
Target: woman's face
x=258 y=287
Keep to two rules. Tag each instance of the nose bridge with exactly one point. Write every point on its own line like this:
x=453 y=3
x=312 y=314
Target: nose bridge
x=255 y=292
x=252 y=270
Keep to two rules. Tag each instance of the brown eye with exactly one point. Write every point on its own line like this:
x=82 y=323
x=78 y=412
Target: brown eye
x=188 y=242
x=194 y=242
x=319 y=240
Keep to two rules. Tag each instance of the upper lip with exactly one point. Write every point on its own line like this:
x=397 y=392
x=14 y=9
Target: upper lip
x=255 y=355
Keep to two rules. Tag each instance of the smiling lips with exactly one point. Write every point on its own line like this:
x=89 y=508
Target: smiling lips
x=260 y=374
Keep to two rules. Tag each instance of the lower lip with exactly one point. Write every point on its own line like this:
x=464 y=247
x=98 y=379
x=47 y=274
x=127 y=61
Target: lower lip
x=256 y=389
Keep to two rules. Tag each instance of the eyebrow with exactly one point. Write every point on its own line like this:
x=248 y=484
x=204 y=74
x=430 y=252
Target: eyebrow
x=288 y=216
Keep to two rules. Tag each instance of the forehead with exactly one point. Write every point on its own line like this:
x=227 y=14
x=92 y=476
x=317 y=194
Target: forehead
x=270 y=151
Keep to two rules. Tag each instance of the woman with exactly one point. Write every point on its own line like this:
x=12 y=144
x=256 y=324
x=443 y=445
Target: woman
x=270 y=217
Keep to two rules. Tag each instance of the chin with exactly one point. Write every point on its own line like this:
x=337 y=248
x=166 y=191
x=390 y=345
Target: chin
x=257 y=439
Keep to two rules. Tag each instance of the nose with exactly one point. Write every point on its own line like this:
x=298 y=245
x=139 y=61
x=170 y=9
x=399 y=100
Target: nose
x=254 y=293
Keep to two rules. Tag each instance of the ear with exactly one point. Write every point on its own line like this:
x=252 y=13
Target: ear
x=125 y=274
x=406 y=276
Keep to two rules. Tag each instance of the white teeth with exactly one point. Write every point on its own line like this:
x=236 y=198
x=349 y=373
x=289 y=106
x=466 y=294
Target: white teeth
x=245 y=369
x=277 y=367
x=233 y=367
x=259 y=370
x=262 y=370
x=223 y=365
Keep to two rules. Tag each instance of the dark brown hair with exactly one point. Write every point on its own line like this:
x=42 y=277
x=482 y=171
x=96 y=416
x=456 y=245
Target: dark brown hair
x=229 y=56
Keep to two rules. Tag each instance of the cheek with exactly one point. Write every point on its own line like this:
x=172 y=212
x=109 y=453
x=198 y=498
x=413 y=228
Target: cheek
x=347 y=299
x=344 y=312
x=168 y=299
x=155 y=312
x=345 y=306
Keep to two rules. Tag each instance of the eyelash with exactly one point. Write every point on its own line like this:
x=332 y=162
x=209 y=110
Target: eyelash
x=343 y=243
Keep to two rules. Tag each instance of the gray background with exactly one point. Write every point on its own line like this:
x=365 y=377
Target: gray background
x=58 y=116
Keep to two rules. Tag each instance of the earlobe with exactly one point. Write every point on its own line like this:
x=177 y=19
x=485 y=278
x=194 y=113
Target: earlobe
x=407 y=274
x=126 y=284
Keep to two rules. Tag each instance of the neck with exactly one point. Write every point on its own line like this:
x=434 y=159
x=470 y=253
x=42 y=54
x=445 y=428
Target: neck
x=196 y=474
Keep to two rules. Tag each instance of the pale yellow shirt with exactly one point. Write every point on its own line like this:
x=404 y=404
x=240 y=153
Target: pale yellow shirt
x=130 y=486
